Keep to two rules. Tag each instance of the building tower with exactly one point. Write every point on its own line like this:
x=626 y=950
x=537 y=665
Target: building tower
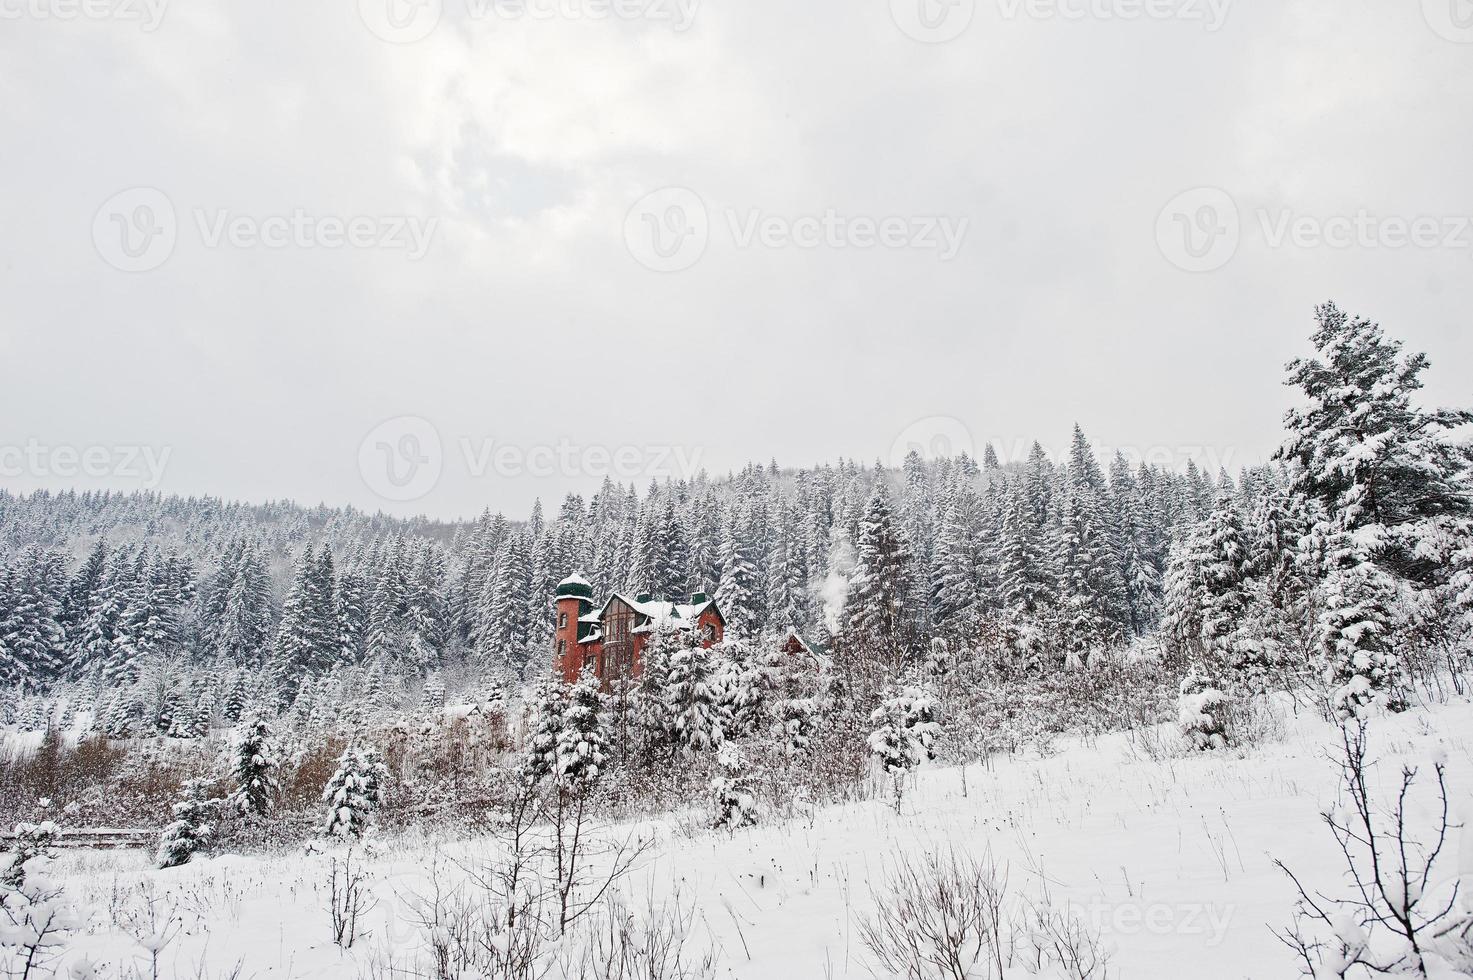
x=574 y=600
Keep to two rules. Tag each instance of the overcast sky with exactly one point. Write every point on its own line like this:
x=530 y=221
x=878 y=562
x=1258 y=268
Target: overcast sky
x=521 y=251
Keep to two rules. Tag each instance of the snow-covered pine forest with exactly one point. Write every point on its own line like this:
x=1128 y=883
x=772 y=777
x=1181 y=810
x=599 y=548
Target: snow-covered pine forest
x=249 y=678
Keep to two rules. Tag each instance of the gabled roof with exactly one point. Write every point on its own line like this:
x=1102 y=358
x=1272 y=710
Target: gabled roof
x=681 y=615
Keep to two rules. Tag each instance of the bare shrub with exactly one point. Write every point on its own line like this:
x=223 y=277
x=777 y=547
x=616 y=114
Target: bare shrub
x=619 y=944
x=948 y=917
x=349 y=899
x=1404 y=914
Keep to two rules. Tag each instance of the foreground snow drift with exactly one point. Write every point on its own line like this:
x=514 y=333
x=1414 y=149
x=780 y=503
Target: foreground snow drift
x=1170 y=860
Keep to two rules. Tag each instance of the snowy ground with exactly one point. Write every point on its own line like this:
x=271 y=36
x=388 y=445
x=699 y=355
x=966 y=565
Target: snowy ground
x=1171 y=859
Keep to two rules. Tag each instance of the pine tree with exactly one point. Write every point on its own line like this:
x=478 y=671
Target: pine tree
x=746 y=687
x=692 y=702
x=905 y=733
x=1202 y=710
x=354 y=793
x=1360 y=665
x=306 y=640
x=245 y=625
x=732 y=801
x=506 y=636
x=190 y=832
x=955 y=577
x=550 y=705
x=652 y=700
x=352 y=617
x=737 y=593
x=255 y=769
x=880 y=622
x=1385 y=468
x=581 y=742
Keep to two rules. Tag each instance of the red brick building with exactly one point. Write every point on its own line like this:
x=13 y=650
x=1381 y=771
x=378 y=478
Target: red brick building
x=611 y=638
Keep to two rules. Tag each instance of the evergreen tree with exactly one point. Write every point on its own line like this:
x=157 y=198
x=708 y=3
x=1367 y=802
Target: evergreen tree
x=732 y=801
x=255 y=769
x=581 y=743
x=245 y=625
x=692 y=702
x=550 y=705
x=354 y=793
x=955 y=579
x=1360 y=665
x=737 y=593
x=881 y=624
x=190 y=832
x=1385 y=468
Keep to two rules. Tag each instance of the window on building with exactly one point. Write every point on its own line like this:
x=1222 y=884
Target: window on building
x=562 y=620
x=562 y=647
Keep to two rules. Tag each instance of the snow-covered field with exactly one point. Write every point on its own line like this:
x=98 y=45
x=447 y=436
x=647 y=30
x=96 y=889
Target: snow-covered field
x=1171 y=860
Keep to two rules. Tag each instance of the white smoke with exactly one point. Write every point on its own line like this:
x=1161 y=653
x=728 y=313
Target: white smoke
x=834 y=592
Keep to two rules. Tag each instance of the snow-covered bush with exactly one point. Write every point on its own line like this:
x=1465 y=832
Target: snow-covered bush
x=33 y=842
x=354 y=793
x=731 y=796
x=906 y=729
x=1203 y=711
x=35 y=920
x=798 y=720
x=190 y=832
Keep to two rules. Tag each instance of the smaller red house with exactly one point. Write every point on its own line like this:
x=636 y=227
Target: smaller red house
x=610 y=639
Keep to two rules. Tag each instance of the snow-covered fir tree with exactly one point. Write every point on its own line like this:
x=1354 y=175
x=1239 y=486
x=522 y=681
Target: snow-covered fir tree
x=190 y=832
x=354 y=793
x=732 y=802
x=255 y=769
x=581 y=748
